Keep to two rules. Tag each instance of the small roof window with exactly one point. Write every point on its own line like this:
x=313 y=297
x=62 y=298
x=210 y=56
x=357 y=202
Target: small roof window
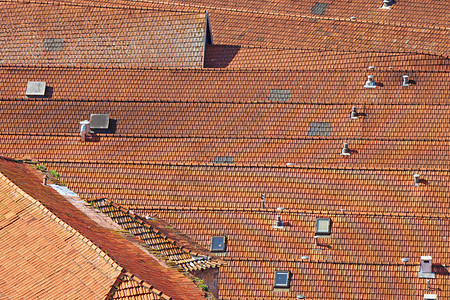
x=218 y=244
x=99 y=121
x=323 y=226
x=282 y=279
x=35 y=88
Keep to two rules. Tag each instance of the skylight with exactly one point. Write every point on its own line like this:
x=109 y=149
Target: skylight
x=323 y=226
x=218 y=244
x=99 y=121
x=36 y=88
x=282 y=279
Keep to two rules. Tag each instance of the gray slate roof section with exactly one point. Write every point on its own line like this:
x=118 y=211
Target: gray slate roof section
x=53 y=44
x=319 y=129
x=223 y=160
x=319 y=8
x=279 y=95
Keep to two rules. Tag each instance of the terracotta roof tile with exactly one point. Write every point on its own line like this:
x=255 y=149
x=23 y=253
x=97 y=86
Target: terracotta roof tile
x=59 y=253
x=129 y=256
x=49 y=34
x=228 y=86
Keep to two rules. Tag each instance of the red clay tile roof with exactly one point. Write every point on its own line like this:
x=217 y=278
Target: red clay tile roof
x=43 y=257
x=254 y=58
x=126 y=254
x=51 y=34
x=406 y=27
x=160 y=237
x=228 y=86
x=273 y=104
x=130 y=287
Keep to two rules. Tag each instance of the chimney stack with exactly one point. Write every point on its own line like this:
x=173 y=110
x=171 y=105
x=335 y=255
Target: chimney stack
x=345 y=150
x=405 y=80
x=279 y=223
x=354 y=114
x=370 y=83
x=84 y=129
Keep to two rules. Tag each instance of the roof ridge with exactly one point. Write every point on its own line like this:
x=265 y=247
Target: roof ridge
x=101 y=5
x=60 y=222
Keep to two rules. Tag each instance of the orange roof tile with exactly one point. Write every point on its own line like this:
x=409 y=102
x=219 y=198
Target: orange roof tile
x=229 y=86
x=129 y=256
x=51 y=34
x=31 y=237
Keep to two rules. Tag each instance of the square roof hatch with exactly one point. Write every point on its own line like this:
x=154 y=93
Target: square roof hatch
x=281 y=279
x=99 y=121
x=218 y=244
x=323 y=227
x=36 y=88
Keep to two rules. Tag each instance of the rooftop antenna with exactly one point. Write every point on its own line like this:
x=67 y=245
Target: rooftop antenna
x=370 y=83
x=345 y=150
x=354 y=113
x=263 y=201
x=405 y=80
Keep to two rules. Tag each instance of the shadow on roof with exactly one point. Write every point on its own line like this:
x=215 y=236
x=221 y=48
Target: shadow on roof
x=220 y=56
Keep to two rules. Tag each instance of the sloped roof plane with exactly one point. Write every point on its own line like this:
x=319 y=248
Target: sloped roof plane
x=51 y=34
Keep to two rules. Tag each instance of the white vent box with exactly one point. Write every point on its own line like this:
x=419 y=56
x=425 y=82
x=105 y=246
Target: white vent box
x=99 y=121
x=36 y=88
x=429 y=296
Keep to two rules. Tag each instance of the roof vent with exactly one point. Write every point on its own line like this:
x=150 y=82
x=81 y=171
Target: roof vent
x=305 y=257
x=370 y=83
x=405 y=80
x=430 y=296
x=416 y=179
x=354 y=113
x=263 y=201
x=387 y=4
x=84 y=129
x=353 y=18
x=371 y=68
x=36 y=88
x=405 y=259
x=99 y=121
x=345 y=150
x=301 y=297
x=278 y=223
x=426 y=268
